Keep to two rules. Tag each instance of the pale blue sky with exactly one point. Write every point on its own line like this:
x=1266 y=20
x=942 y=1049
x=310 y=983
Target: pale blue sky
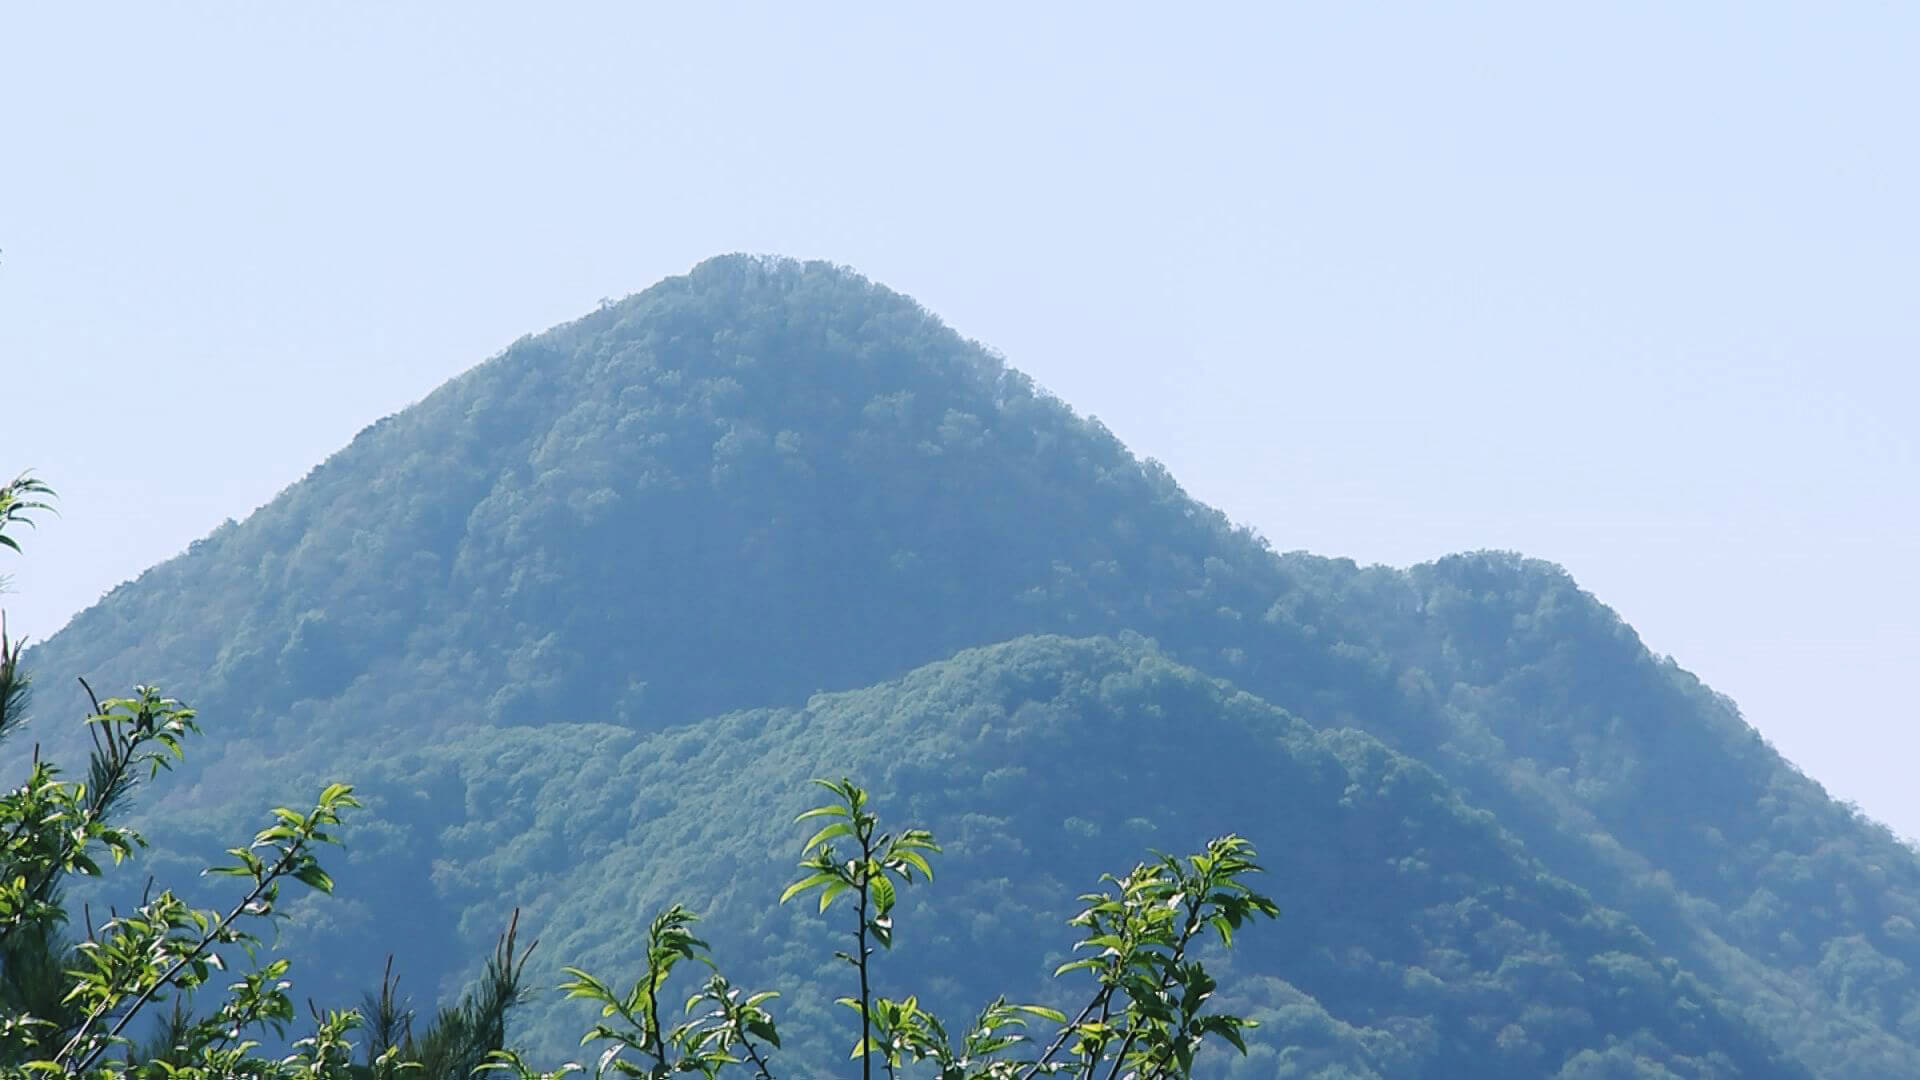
x=1628 y=287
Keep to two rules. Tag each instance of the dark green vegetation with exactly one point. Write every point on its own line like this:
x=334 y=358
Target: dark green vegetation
x=565 y=624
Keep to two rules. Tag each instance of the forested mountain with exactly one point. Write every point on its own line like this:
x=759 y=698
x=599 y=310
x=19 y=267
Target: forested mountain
x=526 y=616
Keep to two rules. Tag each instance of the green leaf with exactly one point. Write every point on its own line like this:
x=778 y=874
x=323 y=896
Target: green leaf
x=833 y=889
x=919 y=861
x=838 y=828
x=312 y=876
x=806 y=883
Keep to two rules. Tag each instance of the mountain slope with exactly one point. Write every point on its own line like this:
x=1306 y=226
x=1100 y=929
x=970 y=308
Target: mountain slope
x=1419 y=938
x=766 y=478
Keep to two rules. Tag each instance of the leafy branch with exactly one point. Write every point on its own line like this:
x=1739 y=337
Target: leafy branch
x=166 y=943
x=1145 y=1015
x=868 y=876
x=19 y=497
x=723 y=1023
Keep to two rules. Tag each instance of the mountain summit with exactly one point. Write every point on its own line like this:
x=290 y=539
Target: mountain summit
x=568 y=620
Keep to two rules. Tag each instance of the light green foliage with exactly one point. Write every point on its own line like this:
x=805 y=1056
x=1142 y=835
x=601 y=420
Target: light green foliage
x=19 y=498
x=722 y=1028
x=1147 y=1014
x=165 y=947
x=876 y=861
x=68 y=1007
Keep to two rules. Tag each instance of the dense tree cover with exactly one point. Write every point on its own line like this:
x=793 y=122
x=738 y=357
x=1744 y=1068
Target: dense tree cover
x=1419 y=938
x=75 y=1001
x=765 y=479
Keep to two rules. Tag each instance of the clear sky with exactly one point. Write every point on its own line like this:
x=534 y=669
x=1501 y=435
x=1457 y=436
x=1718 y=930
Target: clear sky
x=1629 y=287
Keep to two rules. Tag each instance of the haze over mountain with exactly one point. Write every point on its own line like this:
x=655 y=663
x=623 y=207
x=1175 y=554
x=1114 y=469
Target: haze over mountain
x=600 y=605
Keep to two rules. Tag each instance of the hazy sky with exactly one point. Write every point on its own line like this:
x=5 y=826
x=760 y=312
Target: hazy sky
x=1628 y=287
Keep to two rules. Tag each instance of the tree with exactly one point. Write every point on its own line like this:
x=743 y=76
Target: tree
x=1145 y=1016
x=71 y=1006
x=80 y=1007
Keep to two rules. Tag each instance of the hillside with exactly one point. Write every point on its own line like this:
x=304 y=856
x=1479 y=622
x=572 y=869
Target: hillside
x=767 y=478
x=1418 y=936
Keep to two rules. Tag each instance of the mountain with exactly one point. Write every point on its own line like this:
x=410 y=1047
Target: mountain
x=635 y=548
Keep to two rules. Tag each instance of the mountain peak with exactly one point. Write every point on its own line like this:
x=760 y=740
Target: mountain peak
x=762 y=292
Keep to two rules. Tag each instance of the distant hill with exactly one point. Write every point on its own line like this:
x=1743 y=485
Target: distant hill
x=521 y=614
